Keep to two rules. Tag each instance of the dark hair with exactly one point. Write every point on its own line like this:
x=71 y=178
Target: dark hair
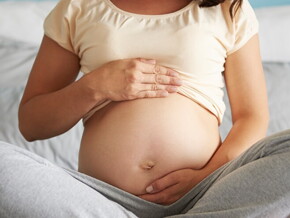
x=236 y=4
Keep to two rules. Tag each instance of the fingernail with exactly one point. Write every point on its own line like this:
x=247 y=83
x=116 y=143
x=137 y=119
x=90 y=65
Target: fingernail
x=164 y=94
x=149 y=189
x=173 y=89
x=149 y=61
x=178 y=82
x=175 y=74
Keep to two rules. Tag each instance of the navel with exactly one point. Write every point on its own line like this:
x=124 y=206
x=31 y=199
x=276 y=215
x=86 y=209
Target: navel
x=148 y=165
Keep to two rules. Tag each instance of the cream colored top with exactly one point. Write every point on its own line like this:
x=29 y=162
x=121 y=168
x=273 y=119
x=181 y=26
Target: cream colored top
x=194 y=41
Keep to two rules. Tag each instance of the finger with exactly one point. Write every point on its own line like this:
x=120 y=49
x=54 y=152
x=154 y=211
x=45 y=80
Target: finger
x=161 y=79
x=167 y=80
x=152 y=94
x=149 y=68
x=155 y=87
x=163 y=183
x=166 y=197
x=157 y=69
x=148 y=61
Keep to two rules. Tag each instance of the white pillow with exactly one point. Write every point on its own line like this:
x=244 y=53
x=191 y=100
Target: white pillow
x=23 y=21
x=274 y=33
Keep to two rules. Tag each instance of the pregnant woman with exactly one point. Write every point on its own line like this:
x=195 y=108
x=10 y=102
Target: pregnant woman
x=151 y=97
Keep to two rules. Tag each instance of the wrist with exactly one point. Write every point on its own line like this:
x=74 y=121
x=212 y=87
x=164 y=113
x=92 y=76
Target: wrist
x=91 y=88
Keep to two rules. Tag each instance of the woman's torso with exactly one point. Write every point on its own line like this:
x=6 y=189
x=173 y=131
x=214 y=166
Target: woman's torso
x=130 y=144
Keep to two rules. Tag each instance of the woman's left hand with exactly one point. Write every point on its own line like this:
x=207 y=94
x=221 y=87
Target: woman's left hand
x=173 y=186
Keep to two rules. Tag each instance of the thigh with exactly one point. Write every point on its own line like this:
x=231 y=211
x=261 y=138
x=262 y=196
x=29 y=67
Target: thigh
x=258 y=189
x=31 y=186
x=254 y=185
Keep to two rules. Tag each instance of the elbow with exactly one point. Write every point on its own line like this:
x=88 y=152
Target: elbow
x=259 y=118
x=24 y=128
x=29 y=139
x=25 y=133
x=258 y=122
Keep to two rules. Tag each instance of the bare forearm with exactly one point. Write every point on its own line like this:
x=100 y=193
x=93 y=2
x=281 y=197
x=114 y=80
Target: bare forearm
x=51 y=114
x=244 y=133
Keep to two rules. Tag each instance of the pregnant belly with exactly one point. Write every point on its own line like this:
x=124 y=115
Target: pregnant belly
x=132 y=143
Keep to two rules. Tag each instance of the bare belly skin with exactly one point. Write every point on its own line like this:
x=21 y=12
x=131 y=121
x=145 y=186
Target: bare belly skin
x=132 y=143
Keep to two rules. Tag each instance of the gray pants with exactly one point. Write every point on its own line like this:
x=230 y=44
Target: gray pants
x=256 y=184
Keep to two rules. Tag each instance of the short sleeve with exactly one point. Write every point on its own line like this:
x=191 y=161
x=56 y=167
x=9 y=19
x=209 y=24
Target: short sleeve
x=245 y=26
x=59 y=25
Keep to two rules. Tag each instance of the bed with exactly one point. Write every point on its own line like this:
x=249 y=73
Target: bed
x=21 y=33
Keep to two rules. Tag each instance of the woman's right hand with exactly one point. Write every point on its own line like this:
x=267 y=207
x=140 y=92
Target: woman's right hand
x=129 y=79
